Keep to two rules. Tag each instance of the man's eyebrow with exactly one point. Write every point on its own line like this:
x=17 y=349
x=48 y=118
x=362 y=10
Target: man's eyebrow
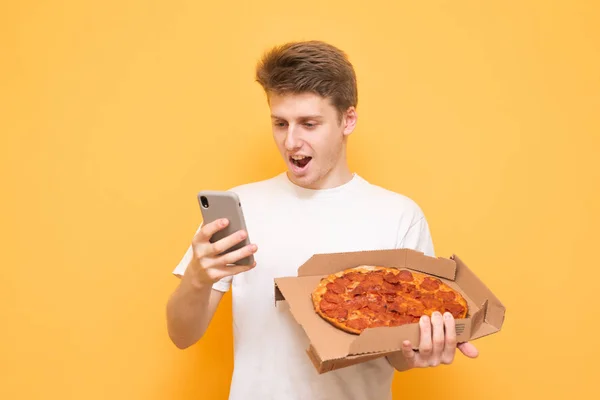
x=302 y=117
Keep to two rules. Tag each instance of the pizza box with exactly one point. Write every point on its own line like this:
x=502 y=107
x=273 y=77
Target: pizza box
x=331 y=348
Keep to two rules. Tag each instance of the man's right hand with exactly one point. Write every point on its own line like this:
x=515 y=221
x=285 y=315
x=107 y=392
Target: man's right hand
x=208 y=265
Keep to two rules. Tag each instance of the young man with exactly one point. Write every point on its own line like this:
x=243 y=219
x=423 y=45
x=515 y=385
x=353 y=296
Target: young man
x=318 y=205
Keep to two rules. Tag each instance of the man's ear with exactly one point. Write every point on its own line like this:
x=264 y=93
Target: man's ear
x=349 y=121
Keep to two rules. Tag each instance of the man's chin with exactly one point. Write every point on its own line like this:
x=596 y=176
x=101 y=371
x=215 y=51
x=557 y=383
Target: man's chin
x=305 y=179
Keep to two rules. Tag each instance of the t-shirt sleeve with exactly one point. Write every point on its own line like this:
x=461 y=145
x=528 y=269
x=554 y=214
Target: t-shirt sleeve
x=418 y=237
x=222 y=285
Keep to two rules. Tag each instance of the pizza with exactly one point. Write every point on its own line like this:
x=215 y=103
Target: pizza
x=373 y=296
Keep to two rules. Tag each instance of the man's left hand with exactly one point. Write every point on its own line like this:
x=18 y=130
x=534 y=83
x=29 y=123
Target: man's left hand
x=437 y=344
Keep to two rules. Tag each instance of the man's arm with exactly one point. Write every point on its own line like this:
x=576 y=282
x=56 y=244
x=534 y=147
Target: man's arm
x=189 y=312
x=193 y=303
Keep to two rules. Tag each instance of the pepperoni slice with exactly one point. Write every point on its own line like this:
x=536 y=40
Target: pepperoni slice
x=405 y=276
x=454 y=308
x=374 y=288
x=356 y=276
x=446 y=295
x=333 y=297
x=385 y=316
x=415 y=309
x=345 y=282
x=376 y=298
x=390 y=287
x=391 y=278
x=398 y=307
x=358 y=323
x=367 y=312
x=390 y=297
x=341 y=313
x=326 y=305
x=431 y=302
x=359 y=290
x=375 y=277
x=330 y=313
x=407 y=288
x=415 y=294
x=336 y=287
x=430 y=283
x=375 y=306
x=362 y=301
x=356 y=303
x=349 y=305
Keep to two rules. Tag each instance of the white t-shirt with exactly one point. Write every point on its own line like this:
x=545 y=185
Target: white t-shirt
x=289 y=224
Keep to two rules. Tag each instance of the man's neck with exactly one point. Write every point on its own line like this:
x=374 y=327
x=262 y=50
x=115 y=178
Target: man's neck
x=336 y=178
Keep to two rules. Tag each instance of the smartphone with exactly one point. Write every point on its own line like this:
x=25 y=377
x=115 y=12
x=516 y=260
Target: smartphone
x=225 y=204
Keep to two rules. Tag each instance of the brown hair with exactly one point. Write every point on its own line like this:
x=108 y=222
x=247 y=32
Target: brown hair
x=309 y=66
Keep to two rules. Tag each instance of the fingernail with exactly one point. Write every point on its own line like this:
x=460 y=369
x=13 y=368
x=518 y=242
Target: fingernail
x=447 y=315
x=424 y=319
x=437 y=314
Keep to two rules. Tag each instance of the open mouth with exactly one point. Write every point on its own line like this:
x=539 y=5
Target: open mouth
x=300 y=161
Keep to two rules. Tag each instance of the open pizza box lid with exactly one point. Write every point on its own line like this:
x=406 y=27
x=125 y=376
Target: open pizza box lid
x=331 y=348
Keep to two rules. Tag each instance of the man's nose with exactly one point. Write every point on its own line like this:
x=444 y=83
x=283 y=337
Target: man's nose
x=291 y=139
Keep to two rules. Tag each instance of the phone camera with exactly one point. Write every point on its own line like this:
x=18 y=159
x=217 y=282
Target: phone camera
x=204 y=201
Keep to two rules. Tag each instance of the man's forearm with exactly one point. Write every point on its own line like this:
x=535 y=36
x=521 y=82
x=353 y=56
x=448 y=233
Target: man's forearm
x=188 y=314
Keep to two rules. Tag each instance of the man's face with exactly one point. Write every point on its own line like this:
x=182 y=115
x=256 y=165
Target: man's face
x=311 y=139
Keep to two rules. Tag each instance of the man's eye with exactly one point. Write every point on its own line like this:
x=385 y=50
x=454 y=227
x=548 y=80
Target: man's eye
x=309 y=125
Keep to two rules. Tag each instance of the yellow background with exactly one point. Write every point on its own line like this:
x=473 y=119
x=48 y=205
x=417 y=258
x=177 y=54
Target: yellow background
x=114 y=114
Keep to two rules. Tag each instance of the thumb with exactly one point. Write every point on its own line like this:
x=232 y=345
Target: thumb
x=468 y=349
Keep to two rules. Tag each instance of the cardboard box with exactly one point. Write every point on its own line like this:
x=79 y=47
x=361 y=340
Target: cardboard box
x=331 y=348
